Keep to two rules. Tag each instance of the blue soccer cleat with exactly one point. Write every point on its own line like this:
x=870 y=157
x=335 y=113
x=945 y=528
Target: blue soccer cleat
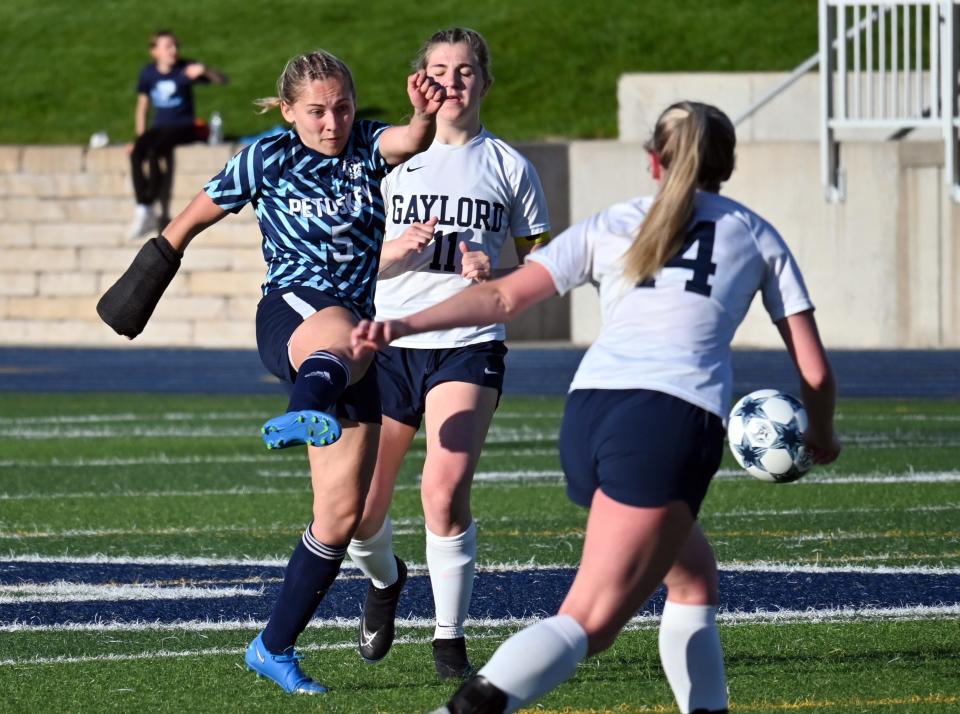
x=308 y=427
x=284 y=669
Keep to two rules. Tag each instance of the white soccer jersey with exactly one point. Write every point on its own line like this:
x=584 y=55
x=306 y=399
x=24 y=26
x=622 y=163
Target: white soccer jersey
x=673 y=333
x=481 y=192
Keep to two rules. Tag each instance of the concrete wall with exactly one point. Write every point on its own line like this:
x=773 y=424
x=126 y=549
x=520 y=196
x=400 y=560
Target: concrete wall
x=881 y=267
x=792 y=116
x=64 y=214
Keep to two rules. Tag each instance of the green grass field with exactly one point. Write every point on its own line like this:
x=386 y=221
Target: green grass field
x=185 y=476
x=70 y=68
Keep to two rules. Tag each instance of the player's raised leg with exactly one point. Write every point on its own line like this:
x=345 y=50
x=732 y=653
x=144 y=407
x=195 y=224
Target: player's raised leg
x=458 y=416
x=320 y=349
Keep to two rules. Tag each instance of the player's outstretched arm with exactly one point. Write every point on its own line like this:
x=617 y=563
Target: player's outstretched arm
x=818 y=386
x=399 y=143
x=128 y=304
x=495 y=301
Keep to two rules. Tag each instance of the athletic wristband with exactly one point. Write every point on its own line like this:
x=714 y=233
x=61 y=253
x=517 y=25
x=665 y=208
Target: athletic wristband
x=128 y=304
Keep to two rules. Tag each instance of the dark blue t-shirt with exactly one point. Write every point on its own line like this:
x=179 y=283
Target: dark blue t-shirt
x=171 y=94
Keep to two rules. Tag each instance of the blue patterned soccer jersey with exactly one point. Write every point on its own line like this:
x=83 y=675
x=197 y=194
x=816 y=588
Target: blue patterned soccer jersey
x=321 y=216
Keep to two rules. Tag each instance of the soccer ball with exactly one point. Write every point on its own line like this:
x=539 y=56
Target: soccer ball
x=765 y=432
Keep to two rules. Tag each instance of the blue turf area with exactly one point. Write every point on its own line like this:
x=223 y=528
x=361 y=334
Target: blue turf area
x=497 y=595
x=530 y=371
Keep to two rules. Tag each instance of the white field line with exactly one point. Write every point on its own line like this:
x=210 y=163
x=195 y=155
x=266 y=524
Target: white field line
x=839 y=478
x=637 y=623
x=509 y=567
x=172 y=531
x=200 y=431
x=899 y=417
x=916 y=477
x=127 y=417
x=158 y=532
x=156 y=460
x=804 y=537
x=172 y=493
x=82 y=592
x=803 y=512
x=484 y=477
x=837 y=535
x=496 y=435
x=168 y=654
x=165 y=460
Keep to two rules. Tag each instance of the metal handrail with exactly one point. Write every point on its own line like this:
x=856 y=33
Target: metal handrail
x=903 y=107
x=800 y=70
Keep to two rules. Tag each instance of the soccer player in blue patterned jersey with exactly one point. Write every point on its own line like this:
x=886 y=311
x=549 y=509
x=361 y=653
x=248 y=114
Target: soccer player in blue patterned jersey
x=642 y=432
x=316 y=193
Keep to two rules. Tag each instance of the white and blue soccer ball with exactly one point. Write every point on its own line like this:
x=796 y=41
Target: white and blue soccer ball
x=765 y=432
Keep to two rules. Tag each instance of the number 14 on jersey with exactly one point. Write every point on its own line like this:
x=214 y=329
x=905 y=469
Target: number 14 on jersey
x=702 y=265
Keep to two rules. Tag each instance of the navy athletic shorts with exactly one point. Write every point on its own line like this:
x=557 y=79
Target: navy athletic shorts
x=406 y=374
x=640 y=447
x=278 y=315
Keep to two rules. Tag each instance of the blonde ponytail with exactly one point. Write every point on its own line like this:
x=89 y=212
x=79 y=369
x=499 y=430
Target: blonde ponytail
x=694 y=143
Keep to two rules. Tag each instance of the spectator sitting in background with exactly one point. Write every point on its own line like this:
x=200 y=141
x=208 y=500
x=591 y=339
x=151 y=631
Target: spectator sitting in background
x=167 y=85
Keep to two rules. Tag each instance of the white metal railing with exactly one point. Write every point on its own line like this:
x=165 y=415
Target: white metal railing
x=788 y=81
x=888 y=64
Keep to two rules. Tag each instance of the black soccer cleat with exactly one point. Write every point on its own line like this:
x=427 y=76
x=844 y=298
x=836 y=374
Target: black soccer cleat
x=450 y=659
x=476 y=696
x=376 y=632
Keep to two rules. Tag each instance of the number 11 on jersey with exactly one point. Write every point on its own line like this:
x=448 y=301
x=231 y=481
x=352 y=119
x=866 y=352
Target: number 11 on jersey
x=441 y=242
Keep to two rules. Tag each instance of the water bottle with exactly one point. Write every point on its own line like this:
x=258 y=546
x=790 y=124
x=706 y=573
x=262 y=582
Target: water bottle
x=216 y=129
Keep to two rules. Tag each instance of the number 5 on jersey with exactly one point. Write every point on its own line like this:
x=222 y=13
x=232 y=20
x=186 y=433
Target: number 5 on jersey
x=344 y=243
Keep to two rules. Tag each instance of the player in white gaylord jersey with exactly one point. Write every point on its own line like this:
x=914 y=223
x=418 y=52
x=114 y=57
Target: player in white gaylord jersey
x=479 y=193
x=642 y=433
x=449 y=212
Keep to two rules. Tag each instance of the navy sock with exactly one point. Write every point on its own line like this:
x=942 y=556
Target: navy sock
x=320 y=381
x=311 y=571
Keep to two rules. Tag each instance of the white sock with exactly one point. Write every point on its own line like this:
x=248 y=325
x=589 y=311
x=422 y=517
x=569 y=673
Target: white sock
x=537 y=659
x=452 y=562
x=692 y=657
x=144 y=210
x=374 y=556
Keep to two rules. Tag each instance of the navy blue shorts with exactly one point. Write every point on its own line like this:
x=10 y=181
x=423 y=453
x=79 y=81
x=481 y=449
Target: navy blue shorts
x=278 y=315
x=406 y=374
x=640 y=447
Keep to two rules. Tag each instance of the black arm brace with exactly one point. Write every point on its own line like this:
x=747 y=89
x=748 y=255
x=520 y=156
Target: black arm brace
x=130 y=301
